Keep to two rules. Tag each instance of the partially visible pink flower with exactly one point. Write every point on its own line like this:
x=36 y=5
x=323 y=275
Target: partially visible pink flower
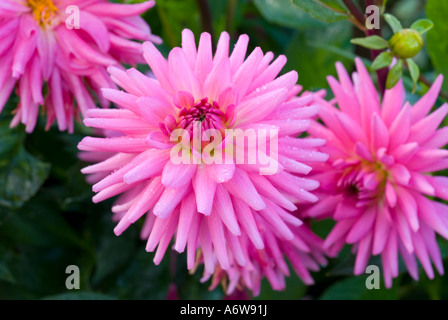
x=228 y=215
x=51 y=65
x=378 y=183
x=304 y=253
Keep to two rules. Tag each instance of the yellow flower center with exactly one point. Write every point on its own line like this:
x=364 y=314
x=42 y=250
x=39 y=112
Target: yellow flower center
x=43 y=10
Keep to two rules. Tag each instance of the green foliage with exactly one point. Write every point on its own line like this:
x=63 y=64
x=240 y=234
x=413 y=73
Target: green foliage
x=372 y=42
x=325 y=10
x=437 y=11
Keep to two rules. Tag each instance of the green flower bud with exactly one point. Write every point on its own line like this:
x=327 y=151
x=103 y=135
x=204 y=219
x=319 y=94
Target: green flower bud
x=406 y=43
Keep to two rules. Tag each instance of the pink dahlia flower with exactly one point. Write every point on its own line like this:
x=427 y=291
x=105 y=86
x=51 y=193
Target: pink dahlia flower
x=235 y=217
x=53 y=51
x=378 y=183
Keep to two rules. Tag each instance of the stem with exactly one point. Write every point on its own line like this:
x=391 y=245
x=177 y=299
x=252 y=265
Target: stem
x=355 y=11
x=206 y=16
x=231 y=7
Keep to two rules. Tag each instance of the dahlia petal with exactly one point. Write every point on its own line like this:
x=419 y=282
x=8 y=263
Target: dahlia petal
x=399 y=130
x=241 y=187
x=379 y=134
x=281 y=229
x=94 y=27
x=177 y=175
x=338 y=232
x=217 y=80
x=422 y=254
x=382 y=228
x=152 y=166
x=438 y=140
x=425 y=104
x=110 y=164
x=165 y=240
x=393 y=100
x=159 y=228
x=246 y=72
x=266 y=189
x=218 y=239
x=206 y=245
x=246 y=219
x=180 y=73
x=422 y=184
x=169 y=200
x=223 y=206
x=403 y=230
x=222 y=48
x=405 y=152
x=204 y=189
x=204 y=60
x=431 y=215
x=121 y=10
x=390 y=255
x=367 y=94
x=158 y=65
x=192 y=241
x=236 y=249
x=433 y=248
x=121 y=98
x=256 y=109
x=145 y=201
x=345 y=210
x=270 y=73
x=362 y=226
x=187 y=211
x=426 y=128
x=189 y=47
x=401 y=174
x=363 y=255
x=239 y=53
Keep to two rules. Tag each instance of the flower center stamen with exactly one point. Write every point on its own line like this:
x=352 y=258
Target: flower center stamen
x=209 y=114
x=43 y=10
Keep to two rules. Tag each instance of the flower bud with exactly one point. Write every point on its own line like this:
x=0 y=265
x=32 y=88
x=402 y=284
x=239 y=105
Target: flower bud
x=406 y=43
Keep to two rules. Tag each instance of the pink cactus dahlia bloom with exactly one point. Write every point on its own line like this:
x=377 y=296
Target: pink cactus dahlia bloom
x=228 y=215
x=51 y=59
x=378 y=183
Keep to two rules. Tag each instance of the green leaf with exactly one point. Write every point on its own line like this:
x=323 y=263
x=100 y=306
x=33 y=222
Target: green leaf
x=39 y=223
x=354 y=288
x=142 y=279
x=437 y=40
x=372 y=42
x=382 y=61
x=108 y=261
x=315 y=60
x=393 y=22
x=5 y=273
x=394 y=75
x=414 y=70
x=422 y=25
x=325 y=10
x=21 y=174
x=284 y=13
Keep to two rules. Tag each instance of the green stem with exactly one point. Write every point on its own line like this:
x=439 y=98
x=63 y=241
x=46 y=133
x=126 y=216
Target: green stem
x=231 y=7
x=206 y=16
